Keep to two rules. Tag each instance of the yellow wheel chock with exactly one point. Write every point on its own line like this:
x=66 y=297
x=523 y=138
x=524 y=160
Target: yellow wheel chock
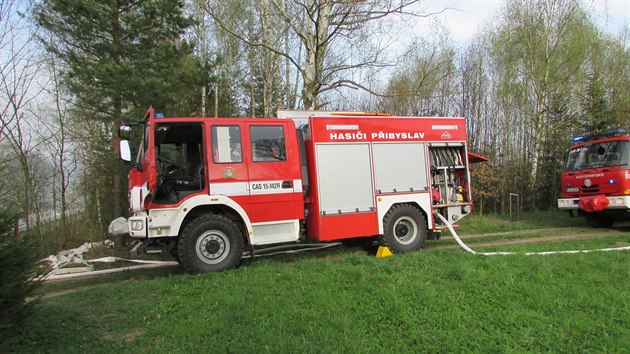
x=383 y=251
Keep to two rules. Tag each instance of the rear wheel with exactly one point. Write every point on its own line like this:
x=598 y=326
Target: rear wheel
x=405 y=229
x=210 y=243
x=598 y=220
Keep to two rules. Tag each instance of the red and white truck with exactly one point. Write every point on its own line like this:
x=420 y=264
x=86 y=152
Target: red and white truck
x=596 y=180
x=214 y=189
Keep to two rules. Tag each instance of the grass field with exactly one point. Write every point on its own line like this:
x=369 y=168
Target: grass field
x=343 y=300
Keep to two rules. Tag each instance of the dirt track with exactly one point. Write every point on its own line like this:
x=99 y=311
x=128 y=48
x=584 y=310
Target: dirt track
x=492 y=240
x=523 y=237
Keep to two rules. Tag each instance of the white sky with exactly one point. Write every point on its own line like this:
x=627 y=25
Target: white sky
x=466 y=17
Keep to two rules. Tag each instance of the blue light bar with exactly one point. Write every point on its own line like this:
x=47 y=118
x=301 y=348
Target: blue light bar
x=581 y=137
x=604 y=134
x=613 y=132
x=159 y=115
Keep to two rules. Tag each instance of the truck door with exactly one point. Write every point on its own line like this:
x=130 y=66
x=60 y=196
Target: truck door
x=274 y=171
x=227 y=172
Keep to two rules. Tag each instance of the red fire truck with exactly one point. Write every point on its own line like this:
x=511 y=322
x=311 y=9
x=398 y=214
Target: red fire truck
x=596 y=180
x=212 y=190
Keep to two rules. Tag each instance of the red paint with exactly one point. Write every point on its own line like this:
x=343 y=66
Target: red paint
x=380 y=129
x=335 y=227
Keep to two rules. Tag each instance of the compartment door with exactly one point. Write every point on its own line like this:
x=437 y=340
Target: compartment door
x=344 y=174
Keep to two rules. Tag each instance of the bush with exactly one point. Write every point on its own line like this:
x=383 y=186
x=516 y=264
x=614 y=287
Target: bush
x=18 y=267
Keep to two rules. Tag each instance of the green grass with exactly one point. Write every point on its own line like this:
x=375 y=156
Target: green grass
x=490 y=223
x=432 y=301
x=343 y=300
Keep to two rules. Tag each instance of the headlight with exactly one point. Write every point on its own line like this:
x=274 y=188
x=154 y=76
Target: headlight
x=619 y=201
x=562 y=203
x=137 y=225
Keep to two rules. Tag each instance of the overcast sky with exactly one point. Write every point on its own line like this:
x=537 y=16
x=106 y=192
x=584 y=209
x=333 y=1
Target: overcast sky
x=465 y=17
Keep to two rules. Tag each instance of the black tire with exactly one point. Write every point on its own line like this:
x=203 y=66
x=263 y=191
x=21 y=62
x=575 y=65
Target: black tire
x=175 y=254
x=598 y=221
x=210 y=243
x=404 y=229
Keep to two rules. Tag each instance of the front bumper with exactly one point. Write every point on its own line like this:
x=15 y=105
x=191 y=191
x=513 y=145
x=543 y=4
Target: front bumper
x=613 y=203
x=138 y=226
x=161 y=223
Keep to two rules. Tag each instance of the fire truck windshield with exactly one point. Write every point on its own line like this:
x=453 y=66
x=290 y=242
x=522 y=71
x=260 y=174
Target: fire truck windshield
x=603 y=154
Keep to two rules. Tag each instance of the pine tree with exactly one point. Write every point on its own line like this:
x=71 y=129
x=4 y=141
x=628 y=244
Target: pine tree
x=17 y=271
x=121 y=57
x=597 y=115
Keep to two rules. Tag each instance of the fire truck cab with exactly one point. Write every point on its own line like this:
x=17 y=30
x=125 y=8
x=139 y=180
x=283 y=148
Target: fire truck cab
x=212 y=189
x=596 y=180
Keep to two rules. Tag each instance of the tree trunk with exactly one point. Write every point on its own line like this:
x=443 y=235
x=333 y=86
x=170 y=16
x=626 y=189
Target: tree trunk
x=116 y=191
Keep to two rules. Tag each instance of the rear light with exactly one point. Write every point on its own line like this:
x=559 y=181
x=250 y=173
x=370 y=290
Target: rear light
x=147 y=201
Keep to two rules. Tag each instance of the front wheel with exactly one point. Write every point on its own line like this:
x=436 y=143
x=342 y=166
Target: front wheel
x=598 y=220
x=210 y=243
x=405 y=229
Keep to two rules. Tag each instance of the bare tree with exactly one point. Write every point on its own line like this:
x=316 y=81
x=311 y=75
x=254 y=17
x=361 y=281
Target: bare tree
x=56 y=133
x=425 y=81
x=19 y=67
x=539 y=55
x=334 y=36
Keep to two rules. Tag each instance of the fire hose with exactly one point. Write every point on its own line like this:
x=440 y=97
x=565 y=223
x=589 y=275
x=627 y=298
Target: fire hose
x=470 y=250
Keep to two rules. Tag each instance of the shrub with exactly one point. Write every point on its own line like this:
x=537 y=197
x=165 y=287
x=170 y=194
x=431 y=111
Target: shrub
x=18 y=268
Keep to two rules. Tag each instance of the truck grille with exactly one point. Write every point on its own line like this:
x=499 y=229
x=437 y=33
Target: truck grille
x=594 y=189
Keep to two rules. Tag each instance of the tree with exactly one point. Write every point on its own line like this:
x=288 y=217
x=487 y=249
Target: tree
x=18 y=269
x=19 y=87
x=425 y=81
x=542 y=46
x=325 y=41
x=57 y=135
x=121 y=57
x=596 y=115
x=609 y=67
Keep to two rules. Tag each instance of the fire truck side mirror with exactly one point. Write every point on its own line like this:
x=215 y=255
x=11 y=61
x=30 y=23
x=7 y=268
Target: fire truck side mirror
x=124 y=132
x=125 y=151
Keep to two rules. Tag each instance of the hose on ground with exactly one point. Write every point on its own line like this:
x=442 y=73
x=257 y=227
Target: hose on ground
x=470 y=250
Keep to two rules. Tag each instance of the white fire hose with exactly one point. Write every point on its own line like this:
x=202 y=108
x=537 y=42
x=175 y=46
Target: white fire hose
x=470 y=250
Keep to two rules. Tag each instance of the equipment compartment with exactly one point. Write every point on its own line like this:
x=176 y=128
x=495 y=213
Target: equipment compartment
x=448 y=173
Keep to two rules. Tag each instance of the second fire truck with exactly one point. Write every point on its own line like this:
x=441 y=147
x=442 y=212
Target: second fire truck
x=596 y=180
x=213 y=189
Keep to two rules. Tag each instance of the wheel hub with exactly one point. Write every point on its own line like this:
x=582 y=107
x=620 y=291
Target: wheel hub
x=401 y=230
x=212 y=247
x=405 y=230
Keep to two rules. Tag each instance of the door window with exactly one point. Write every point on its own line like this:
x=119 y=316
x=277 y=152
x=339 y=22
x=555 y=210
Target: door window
x=179 y=161
x=226 y=144
x=268 y=143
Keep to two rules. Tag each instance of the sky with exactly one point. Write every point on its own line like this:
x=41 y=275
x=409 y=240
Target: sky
x=464 y=18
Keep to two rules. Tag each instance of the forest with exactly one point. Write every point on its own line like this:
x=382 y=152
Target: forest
x=72 y=71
